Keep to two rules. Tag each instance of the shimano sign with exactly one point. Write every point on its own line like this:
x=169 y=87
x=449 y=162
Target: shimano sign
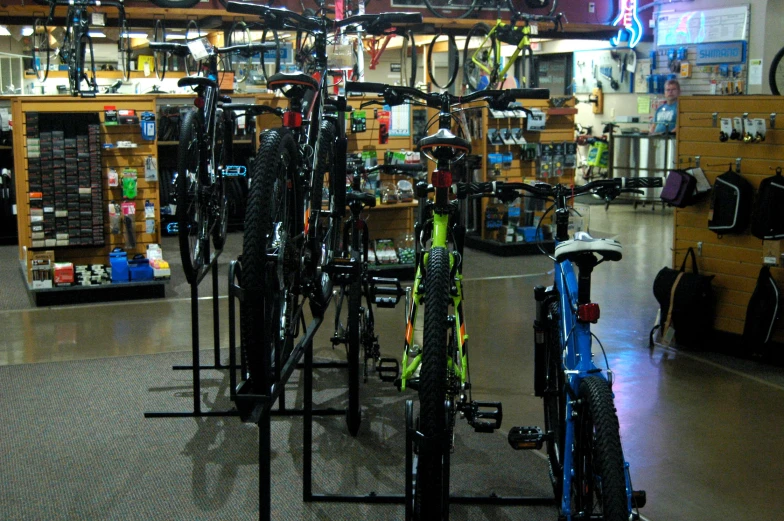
x=725 y=52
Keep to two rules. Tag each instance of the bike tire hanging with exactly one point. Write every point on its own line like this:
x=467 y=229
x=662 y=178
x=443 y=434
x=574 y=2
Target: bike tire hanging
x=161 y=58
x=451 y=8
x=41 y=50
x=453 y=64
x=408 y=68
x=481 y=44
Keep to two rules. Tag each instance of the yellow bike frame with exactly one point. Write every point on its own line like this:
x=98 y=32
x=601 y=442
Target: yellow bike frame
x=493 y=73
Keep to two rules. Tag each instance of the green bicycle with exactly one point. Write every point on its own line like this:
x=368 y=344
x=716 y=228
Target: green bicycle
x=437 y=366
x=482 y=52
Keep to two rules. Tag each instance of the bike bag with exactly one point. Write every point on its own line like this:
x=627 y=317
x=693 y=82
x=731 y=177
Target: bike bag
x=679 y=188
x=730 y=204
x=687 y=304
x=762 y=313
x=767 y=216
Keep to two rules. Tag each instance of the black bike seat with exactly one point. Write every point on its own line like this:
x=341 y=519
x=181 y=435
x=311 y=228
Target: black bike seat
x=444 y=138
x=197 y=81
x=368 y=200
x=286 y=79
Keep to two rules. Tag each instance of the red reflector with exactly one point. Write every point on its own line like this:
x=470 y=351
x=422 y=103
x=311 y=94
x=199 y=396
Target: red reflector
x=588 y=312
x=292 y=119
x=199 y=102
x=442 y=178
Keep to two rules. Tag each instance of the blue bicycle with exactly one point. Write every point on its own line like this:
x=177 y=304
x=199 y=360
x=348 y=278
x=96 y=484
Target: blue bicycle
x=590 y=477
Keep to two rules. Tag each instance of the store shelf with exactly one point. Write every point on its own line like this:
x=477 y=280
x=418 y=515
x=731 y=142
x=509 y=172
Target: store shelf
x=110 y=75
x=67 y=295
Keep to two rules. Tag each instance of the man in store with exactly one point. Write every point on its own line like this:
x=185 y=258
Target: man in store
x=664 y=118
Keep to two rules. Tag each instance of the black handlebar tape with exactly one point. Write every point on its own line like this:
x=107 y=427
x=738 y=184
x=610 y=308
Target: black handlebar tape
x=529 y=93
x=357 y=86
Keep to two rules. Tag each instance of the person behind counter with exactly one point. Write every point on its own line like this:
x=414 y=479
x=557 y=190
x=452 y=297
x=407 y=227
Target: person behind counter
x=664 y=119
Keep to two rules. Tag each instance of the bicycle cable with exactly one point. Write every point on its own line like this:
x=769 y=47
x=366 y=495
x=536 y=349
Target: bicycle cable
x=606 y=362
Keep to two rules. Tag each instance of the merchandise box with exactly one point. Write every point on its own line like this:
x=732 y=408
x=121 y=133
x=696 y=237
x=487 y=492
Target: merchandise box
x=40 y=265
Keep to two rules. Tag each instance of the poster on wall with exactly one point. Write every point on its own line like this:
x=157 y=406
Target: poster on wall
x=712 y=25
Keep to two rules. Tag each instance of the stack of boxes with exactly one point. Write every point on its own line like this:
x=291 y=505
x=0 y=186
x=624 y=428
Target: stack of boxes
x=66 y=197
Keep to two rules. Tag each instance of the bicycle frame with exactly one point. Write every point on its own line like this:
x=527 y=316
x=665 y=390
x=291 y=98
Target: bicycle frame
x=523 y=45
x=441 y=226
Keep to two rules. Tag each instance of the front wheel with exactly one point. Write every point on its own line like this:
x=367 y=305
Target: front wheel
x=599 y=482
x=192 y=215
x=432 y=474
x=269 y=257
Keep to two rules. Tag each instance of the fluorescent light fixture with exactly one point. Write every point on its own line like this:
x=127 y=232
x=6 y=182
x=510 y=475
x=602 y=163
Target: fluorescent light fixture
x=193 y=35
x=27 y=31
x=175 y=36
x=96 y=34
x=135 y=35
x=4 y=31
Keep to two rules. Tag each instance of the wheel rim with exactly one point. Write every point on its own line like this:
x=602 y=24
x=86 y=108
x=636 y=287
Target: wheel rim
x=194 y=220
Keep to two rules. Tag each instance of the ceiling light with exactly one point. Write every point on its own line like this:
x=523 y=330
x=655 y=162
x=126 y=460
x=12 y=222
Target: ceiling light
x=175 y=36
x=135 y=35
x=96 y=34
x=27 y=31
x=4 y=31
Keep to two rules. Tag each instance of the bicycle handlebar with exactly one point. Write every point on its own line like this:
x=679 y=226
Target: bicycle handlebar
x=612 y=188
x=180 y=49
x=411 y=170
x=397 y=94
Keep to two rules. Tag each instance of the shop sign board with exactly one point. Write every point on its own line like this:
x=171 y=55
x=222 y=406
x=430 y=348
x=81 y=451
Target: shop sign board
x=723 y=52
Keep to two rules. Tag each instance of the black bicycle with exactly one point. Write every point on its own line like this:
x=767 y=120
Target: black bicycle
x=355 y=325
x=76 y=50
x=290 y=238
x=204 y=155
x=464 y=8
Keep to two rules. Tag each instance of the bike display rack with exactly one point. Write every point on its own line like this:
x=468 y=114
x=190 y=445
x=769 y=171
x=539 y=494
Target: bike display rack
x=196 y=366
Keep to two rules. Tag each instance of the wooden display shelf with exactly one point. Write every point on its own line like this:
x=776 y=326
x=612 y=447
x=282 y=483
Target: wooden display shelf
x=109 y=75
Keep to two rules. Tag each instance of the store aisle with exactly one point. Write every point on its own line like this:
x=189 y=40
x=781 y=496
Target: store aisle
x=703 y=432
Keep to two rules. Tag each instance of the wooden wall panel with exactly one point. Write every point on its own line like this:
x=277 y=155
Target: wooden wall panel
x=735 y=260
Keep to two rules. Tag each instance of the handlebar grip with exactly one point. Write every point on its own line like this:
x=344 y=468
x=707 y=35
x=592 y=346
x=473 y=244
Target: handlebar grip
x=357 y=86
x=529 y=93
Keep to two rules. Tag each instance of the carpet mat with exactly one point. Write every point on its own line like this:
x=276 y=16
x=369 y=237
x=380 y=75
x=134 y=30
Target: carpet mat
x=75 y=445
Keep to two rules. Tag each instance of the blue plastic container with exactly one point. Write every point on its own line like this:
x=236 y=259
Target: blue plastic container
x=118 y=260
x=140 y=269
x=529 y=233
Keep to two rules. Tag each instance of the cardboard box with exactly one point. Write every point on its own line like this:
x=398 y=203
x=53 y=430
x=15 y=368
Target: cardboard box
x=40 y=265
x=63 y=273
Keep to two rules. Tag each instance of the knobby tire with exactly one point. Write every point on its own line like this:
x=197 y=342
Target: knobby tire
x=432 y=465
x=191 y=214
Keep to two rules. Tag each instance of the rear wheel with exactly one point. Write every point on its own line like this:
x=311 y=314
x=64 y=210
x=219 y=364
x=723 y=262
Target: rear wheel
x=42 y=51
x=599 y=482
x=224 y=138
x=353 y=413
x=192 y=215
x=480 y=58
x=269 y=257
x=432 y=473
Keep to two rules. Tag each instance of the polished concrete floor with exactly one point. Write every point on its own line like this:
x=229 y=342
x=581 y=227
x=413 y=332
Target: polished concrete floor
x=704 y=433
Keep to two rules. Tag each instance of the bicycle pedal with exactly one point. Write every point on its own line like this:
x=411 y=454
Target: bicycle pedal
x=485 y=416
x=386 y=291
x=234 y=171
x=639 y=498
x=526 y=438
x=388 y=369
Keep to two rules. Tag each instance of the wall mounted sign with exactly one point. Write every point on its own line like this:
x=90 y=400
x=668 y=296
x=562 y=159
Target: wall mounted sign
x=722 y=52
x=631 y=28
x=712 y=25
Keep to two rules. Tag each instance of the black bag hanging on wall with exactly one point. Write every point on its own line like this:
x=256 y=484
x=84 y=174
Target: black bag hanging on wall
x=730 y=204
x=762 y=313
x=767 y=216
x=687 y=304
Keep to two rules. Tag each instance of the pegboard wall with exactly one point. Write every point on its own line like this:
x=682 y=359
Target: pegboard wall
x=613 y=68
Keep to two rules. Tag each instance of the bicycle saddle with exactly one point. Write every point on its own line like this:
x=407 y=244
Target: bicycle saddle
x=444 y=138
x=609 y=249
x=289 y=79
x=368 y=200
x=197 y=81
